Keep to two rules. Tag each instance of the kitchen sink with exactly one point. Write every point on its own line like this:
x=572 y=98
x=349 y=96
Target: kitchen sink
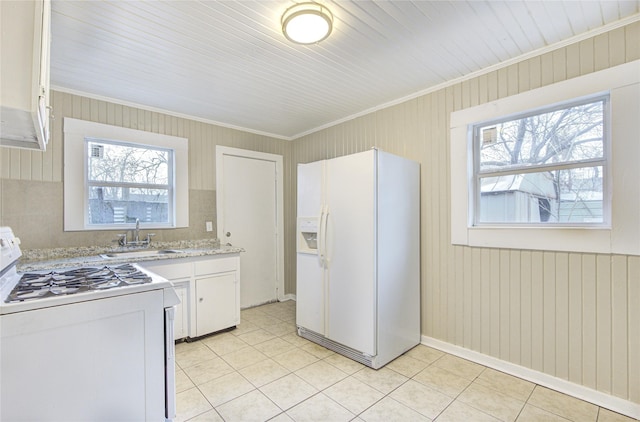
x=139 y=254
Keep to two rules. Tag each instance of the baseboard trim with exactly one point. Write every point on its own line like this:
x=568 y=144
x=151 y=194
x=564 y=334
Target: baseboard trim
x=598 y=398
x=287 y=297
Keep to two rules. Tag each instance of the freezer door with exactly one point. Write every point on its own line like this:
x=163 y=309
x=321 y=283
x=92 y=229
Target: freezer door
x=310 y=298
x=310 y=189
x=351 y=251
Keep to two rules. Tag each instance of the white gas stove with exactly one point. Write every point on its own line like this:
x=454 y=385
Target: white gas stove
x=40 y=289
x=113 y=325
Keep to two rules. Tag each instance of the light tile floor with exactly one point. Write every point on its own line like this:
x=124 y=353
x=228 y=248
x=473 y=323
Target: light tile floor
x=263 y=371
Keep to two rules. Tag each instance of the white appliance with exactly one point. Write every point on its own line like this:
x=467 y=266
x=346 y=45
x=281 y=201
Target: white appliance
x=358 y=259
x=85 y=344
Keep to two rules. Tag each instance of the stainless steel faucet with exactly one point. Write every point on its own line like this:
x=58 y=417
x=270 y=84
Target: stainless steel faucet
x=122 y=238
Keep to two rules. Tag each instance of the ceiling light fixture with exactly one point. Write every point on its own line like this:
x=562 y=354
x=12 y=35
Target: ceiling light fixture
x=307 y=23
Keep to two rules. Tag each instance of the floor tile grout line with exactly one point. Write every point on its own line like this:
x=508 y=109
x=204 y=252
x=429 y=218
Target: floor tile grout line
x=298 y=346
x=554 y=413
x=389 y=396
x=208 y=410
x=385 y=395
x=527 y=401
x=314 y=395
x=454 y=398
x=560 y=416
x=457 y=397
x=235 y=370
x=261 y=392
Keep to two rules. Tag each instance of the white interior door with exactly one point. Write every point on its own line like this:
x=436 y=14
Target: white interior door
x=249 y=216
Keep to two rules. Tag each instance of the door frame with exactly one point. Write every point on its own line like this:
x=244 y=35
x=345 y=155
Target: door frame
x=221 y=151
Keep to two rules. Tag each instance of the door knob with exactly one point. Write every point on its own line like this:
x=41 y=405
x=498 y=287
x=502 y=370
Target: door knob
x=228 y=234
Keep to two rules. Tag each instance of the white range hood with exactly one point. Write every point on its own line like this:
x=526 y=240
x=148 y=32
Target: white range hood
x=24 y=73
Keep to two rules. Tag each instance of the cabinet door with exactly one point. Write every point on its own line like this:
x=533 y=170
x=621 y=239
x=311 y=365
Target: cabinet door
x=24 y=91
x=181 y=321
x=43 y=95
x=216 y=303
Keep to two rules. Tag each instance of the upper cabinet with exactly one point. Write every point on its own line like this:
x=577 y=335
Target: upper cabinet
x=24 y=73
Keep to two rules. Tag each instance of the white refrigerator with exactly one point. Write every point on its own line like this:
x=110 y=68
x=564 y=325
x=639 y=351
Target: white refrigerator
x=358 y=255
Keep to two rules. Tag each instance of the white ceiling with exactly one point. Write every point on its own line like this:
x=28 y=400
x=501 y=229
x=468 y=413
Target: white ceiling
x=228 y=62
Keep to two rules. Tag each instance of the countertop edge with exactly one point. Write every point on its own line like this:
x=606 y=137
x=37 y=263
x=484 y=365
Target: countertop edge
x=97 y=260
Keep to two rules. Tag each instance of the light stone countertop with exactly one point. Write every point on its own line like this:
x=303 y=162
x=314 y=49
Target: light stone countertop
x=48 y=259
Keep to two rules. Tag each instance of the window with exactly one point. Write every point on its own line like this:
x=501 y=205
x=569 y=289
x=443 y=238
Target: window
x=553 y=168
x=128 y=183
x=544 y=167
x=115 y=176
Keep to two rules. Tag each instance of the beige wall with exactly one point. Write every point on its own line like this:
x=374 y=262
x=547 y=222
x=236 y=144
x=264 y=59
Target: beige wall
x=574 y=316
x=31 y=182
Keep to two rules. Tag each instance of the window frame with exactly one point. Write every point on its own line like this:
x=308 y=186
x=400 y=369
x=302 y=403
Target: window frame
x=76 y=189
x=622 y=236
x=604 y=162
x=170 y=186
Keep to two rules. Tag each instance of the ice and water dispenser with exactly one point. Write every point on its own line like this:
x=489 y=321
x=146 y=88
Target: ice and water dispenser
x=308 y=234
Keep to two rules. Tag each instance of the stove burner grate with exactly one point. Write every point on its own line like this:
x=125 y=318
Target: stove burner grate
x=38 y=285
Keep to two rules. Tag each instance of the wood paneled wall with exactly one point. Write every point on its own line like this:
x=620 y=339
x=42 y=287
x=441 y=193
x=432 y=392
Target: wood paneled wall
x=571 y=315
x=36 y=166
x=203 y=138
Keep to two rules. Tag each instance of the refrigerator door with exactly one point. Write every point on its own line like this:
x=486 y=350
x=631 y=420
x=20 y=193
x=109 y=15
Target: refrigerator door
x=310 y=298
x=398 y=255
x=350 y=245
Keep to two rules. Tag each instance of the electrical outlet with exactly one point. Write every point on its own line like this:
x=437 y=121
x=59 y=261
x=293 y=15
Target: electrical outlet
x=209 y=225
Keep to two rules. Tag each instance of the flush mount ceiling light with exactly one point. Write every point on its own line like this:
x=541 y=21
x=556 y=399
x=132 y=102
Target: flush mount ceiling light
x=307 y=23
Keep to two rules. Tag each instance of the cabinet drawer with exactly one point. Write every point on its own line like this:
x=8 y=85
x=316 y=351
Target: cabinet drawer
x=170 y=271
x=212 y=266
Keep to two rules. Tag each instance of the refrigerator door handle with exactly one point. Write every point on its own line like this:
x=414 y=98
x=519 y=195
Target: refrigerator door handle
x=325 y=253
x=320 y=239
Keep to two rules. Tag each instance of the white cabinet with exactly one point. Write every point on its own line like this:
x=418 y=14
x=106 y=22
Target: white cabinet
x=24 y=73
x=217 y=291
x=209 y=291
x=216 y=306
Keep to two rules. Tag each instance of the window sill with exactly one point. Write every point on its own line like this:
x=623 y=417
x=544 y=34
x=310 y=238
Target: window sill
x=567 y=239
x=129 y=226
